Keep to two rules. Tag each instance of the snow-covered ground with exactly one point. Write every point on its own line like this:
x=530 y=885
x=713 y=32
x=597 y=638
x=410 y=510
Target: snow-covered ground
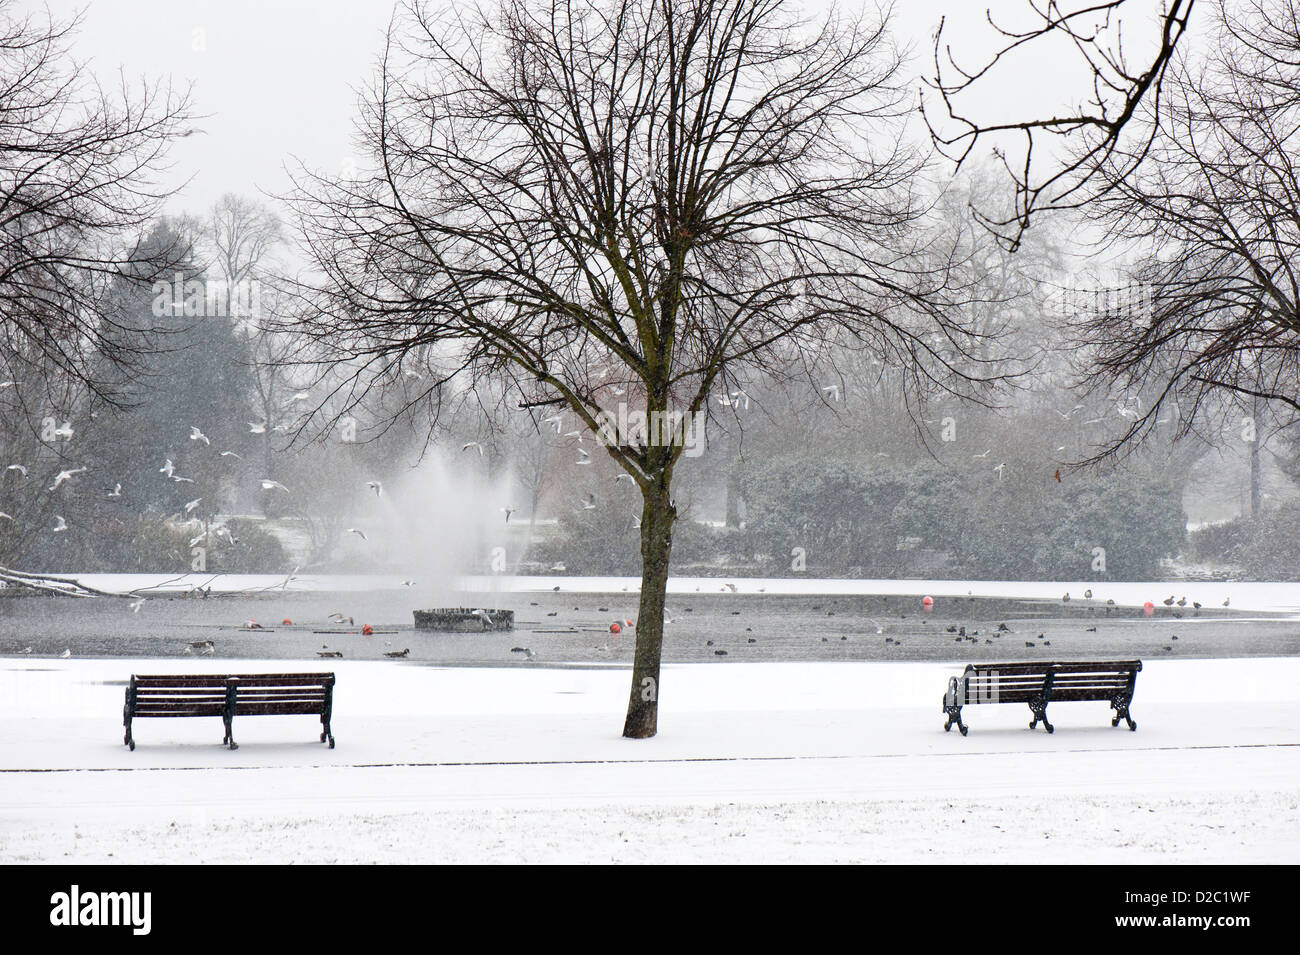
x=769 y=762
x=1261 y=596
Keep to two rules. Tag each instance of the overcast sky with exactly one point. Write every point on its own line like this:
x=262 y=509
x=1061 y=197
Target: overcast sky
x=277 y=79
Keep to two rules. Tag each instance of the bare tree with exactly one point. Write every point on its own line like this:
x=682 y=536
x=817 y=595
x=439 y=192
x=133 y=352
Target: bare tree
x=78 y=185
x=1079 y=140
x=1210 y=206
x=632 y=202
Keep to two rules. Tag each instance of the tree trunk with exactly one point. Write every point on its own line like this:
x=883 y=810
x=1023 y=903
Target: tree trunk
x=657 y=518
x=1255 y=479
x=1255 y=472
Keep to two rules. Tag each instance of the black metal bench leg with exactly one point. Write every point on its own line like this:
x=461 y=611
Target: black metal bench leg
x=1039 y=708
x=954 y=716
x=230 y=734
x=325 y=733
x=1120 y=705
x=127 y=738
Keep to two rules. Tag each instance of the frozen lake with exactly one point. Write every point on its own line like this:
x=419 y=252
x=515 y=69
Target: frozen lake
x=763 y=621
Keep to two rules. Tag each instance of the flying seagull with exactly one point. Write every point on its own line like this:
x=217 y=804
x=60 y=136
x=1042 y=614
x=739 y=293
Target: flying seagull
x=192 y=504
x=353 y=530
x=232 y=454
x=268 y=484
x=168 y=469
x=66 y=476
x=257 y=428
x=116 y=492
x=59 y=524
x=375 y=486
x=197 y=435
x=22 y=468
x=507 y=511
x=473 y=444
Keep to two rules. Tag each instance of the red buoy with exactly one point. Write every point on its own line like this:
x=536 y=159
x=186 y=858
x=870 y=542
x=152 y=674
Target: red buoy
x=367 y=630
x=287 y=622
x=927 y=604
x=1148 y=608
x=615 y=628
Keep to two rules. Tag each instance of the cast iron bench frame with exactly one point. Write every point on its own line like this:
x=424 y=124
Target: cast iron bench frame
x=1038 y=684
x=228 y=696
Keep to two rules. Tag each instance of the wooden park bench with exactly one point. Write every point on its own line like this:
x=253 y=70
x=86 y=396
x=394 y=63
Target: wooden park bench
x=228 y=696
x=1041 y=683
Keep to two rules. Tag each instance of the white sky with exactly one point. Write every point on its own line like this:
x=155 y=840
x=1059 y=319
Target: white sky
x=277 y=79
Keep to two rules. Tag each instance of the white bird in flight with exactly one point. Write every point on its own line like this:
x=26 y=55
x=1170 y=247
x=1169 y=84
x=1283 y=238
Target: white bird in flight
x=65 y=432
x=232 y=454
x=21 y=468
x=192 y=504
x=8 y=517
x=473 y=444
x=168 y=469
x=197 y=435
x=66 y=476
x=376 y=486
x=116 y=492
x=353 y=530
x=254 y=428
x=268 y=484
x=59 y=524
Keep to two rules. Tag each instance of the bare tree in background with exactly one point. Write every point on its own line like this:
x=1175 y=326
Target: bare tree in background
x=633 y=202
x=1078 y=140
x=1209 y=204
x=79 y=184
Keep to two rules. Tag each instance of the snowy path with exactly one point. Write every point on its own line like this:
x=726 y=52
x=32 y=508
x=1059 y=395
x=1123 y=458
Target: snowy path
x=807 y=762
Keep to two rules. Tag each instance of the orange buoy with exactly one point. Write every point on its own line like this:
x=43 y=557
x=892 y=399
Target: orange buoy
x=927 y=604
x=627 y=623
x=615 y=628
x=1148 y=608
x=287 y=622
x=367 y=630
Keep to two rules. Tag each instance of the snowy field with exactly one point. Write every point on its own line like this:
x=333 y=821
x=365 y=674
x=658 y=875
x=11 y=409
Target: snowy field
x=764 y=762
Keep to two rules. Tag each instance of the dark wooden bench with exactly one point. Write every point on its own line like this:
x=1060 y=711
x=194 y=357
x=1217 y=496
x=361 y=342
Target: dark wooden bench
x=1038 y=684
x=228 y=696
